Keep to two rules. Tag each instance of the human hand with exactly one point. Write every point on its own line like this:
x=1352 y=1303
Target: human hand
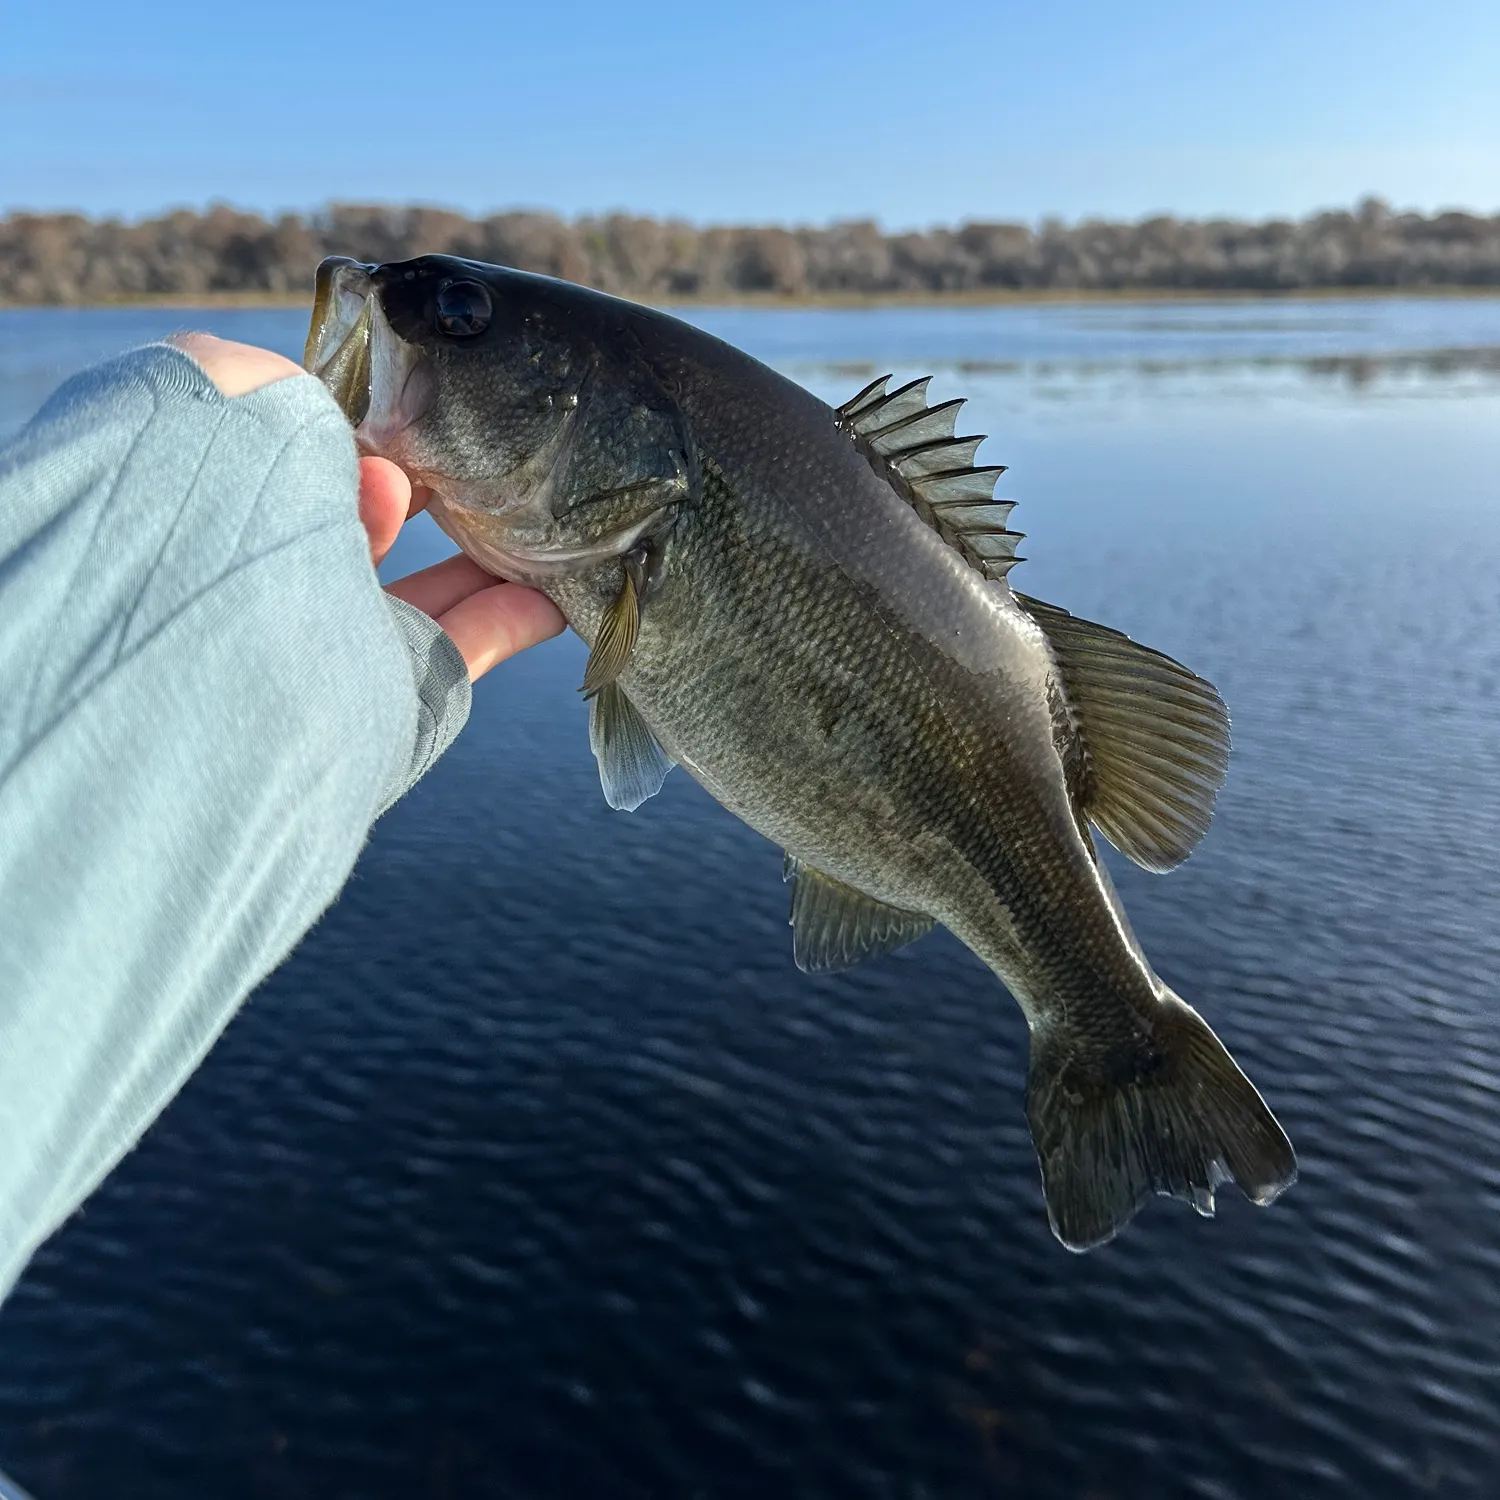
x=488 y=620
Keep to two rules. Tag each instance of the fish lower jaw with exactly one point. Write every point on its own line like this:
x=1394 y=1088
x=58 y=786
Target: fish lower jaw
x=512 y=558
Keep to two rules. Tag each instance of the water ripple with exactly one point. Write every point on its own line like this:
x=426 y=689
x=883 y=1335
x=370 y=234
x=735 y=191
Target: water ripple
x=539 y=1172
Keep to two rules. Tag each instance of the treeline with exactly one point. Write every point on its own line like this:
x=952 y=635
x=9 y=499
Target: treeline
x=66 y=258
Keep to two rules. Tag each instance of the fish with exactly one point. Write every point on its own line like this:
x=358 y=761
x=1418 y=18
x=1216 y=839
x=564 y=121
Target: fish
x=809 y=609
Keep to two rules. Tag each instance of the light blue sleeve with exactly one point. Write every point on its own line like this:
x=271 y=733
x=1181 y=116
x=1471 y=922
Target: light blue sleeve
x=205 y=701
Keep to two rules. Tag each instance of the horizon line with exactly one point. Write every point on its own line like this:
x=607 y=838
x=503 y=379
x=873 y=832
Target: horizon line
x=331 y=205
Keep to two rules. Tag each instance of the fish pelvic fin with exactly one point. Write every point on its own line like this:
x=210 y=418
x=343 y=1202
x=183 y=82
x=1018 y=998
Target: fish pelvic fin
x=1175 y=1117
x=632 y=763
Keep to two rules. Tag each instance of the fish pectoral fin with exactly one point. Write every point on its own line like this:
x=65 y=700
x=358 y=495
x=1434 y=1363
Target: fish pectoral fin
x=835 y=926
x=1156 y=737
x=1112 y=1125
x=632 y=763
x=616 y=638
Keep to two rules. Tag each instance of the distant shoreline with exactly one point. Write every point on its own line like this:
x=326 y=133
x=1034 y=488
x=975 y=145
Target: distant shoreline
x=853 y=301
x=1370 y=250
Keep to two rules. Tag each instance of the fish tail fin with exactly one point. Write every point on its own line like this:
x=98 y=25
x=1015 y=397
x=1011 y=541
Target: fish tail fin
x=1176 y=1117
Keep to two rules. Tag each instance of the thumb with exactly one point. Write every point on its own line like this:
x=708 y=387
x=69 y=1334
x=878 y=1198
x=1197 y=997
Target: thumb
x=384 y=497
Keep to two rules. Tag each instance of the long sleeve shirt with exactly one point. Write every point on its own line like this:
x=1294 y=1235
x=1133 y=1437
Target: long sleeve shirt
x=205 y=702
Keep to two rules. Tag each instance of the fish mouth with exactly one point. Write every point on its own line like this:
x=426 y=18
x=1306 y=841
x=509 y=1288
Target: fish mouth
x=338 y=339
x=381 y=383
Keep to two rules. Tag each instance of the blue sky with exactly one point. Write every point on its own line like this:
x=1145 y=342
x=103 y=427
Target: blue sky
x=785 y=111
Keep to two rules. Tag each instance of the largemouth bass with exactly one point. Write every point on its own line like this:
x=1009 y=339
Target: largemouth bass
x=808 y=609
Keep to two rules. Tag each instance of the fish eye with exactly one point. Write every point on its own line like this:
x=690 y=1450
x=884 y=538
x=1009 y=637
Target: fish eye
x=463 y=309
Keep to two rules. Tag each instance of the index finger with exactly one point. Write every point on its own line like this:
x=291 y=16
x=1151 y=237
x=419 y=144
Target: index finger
x=237 y=369
x=498 y=622
x=437 y=589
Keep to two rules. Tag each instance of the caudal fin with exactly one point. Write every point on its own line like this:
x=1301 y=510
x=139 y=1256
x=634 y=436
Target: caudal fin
x=1177 y=1118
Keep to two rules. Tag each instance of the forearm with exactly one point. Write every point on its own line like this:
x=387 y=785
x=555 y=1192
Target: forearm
x=204 y=703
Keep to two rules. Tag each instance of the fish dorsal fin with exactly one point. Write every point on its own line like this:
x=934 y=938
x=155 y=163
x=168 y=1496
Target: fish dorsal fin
x=912 y=446
x=632 y=764
x=835 y=926
x=1155 y=737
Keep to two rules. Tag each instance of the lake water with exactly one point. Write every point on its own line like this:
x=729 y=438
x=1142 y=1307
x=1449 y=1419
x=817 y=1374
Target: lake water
x=539 y=1172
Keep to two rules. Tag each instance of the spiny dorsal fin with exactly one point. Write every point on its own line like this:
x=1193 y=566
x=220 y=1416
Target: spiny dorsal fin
x=911 y=445
x=835 y=926
x=1155 y=736
x=632 y=763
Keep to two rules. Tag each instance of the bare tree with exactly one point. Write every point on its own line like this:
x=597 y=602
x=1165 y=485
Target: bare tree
x=64 y=258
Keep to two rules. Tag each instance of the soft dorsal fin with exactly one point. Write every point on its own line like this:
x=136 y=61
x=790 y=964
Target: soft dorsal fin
x=911 y=445
x=1155 y=737
x=835 y=926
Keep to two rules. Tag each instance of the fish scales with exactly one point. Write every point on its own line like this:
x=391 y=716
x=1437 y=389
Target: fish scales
x=779 y=600
x=875 y=758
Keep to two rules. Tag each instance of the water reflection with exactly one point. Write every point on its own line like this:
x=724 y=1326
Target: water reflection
x=540 y=1171
x=1355 y=371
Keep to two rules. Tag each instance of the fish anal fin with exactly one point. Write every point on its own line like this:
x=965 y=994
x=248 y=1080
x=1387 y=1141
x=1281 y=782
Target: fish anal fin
x=632 y=763
x=1155 y=737
x=835 y=926
x=1175 y=1117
